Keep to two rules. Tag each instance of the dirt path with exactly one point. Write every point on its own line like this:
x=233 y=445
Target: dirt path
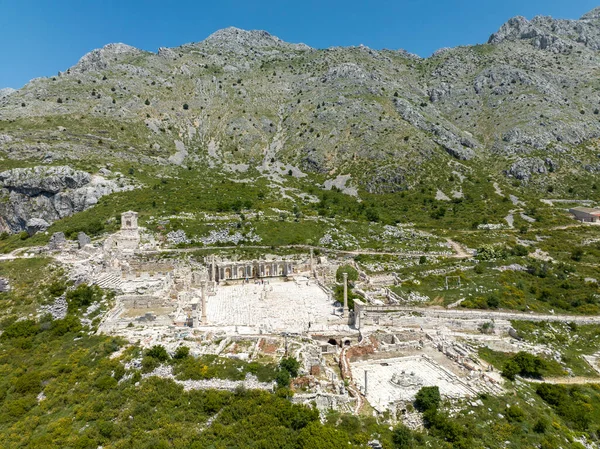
x=463 y=254
x=460 y=252
x=567 y=380
x=501 y=315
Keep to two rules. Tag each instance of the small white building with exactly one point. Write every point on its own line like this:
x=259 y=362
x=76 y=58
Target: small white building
x=127 y=240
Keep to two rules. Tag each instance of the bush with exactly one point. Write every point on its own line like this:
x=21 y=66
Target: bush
x=352 y=273
x=291 y=365
x=524 y=364
x=402 y=437
x=181 y=353
x=428 y=398
x=540 y=426
x=56 y=288
x=159 y=353
x=515 y=413
x=283 y=378
x=149 y=364
x=20 y=329
x=69 y=324
x=83 y=296
x=185 y=106
x=577 y=254
x=520 y=250
x=28 y=383
x=493 y=301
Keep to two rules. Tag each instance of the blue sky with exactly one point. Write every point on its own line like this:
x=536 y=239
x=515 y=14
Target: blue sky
x=41 y=37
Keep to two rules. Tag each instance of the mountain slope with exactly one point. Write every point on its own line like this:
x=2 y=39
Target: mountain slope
x=525 y=105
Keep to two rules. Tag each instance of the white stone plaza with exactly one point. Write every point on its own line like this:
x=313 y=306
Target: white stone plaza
x=399 y=379
x=277 y=306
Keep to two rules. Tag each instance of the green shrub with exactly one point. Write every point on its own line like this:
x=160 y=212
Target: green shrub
x=158 y=352
x=577 y=254
x=57 y=288
x=352 y=273
x=515 y=413
x=291 y=365
x=68 y=324
x=20 y=329
x=402 y=437
x=181 y=353
x=427 y=398
x=28 y=383
x=283 y=378
x=524 y=364
x=83 y=296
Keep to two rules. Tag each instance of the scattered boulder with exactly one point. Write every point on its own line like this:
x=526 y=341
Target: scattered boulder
x=83 y=239
x=35 y=225
x=57 y=241
x=4 y=285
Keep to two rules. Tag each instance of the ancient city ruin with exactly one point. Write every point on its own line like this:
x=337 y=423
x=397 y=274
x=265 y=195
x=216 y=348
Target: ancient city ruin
x=382 y=351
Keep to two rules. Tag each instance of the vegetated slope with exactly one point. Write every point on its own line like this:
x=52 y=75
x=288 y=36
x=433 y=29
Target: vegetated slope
x=521 y=103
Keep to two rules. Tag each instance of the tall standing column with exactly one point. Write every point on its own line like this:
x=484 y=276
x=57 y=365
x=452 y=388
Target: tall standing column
x=204 y=319
x=345 y=294
x=312 y=263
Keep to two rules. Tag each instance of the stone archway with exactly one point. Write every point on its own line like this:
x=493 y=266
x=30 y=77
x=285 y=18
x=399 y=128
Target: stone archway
x=241 y=272
x=268 y=270
x=227 y=273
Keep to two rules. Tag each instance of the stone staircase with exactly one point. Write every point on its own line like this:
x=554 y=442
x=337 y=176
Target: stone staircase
x=111 y=281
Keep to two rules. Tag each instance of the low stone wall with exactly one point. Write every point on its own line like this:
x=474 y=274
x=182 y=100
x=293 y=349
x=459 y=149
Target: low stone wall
x=141 y=301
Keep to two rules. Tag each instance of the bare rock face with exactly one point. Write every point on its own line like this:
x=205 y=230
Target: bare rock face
x=546 y=33
x=524 y=169
x=33 y=198
x=6 y=92
x=35 y=225
x=100 y=58
x=237 y=40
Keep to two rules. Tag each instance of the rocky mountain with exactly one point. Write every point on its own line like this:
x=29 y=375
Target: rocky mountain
x=522 y=106
x=6 y=92
x=33 y=198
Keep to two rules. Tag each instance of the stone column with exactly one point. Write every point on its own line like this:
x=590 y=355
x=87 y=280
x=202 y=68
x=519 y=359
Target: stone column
x=204 y=319
x=213 y=269
x=312 y=265
x=345 y=314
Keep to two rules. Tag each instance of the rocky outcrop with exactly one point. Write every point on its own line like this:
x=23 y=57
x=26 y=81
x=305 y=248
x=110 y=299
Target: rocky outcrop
x=546 y=33
x=83 y=240
x=100 y=58
x=524 y=169
x=6 y=92
x=33 y=198
x=446 y=135
x=237 y=40
x=241 y=100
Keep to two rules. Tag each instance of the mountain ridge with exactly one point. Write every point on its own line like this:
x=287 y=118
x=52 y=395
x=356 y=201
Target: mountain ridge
x=241 y=101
